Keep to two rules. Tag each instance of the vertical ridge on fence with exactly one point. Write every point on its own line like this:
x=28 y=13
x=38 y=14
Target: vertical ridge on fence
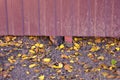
x=3 y=19
x=14 y=17
x=22 y=10
x=116 y=18
x=100 y=21
x=91 y=19
x=50 y=17
x=58 y=17
x=43 y=18
x=108 y=18
x=83 y=23
x=66 y=18
x=39 y=16
x=76 y=18
x=31 y=22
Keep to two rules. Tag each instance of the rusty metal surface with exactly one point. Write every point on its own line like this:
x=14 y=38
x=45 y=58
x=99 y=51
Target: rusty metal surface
x=60 y=17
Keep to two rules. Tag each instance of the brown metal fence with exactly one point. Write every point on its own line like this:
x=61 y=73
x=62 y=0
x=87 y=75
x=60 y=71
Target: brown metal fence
x=60 y=17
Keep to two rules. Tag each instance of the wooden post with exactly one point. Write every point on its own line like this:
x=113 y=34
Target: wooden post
x=68 y=39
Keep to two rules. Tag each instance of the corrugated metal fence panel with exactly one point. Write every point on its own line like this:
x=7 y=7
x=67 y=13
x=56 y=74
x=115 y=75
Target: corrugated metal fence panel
x=31 y=17
x=3 y=24
x=15 y=23
x=116 y=18
x=60 y=17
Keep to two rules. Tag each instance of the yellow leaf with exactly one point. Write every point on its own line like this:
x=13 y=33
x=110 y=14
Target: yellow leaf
x=11 y=60
x=47 y=60
x=76 y=39
x=42 y=77
x=41 y=45
x=27 y=72
x=90 y=55
x=19 y=55
x=31 y=51
x=77 y=45
x=87 y=70
x=11 y=68
x=37 y=44
x=75 y=48
x=101 y=58
x=33 y=47
x=71 y=61
x=32 y=65
x=60 y=65
x=24 y=65
x=76 y=53
x=61 y=46
x=94 y=48
x=24 y=57
x=35 y=56
x=117 y=48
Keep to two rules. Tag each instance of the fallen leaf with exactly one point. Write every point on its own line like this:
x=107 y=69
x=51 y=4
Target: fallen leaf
x=32 y=65
x=60 y=65
x=113 y=61
x=7 y=38
x=76 y=39
x=64 y=56
x=11 y=68
x=27 y=72
x=71 y=61
x=61 y=46
x=77 y=45
x=24 y=57
x=33 y=47
x=46 y=60
x=41 y=77
x=97 y=40
x=90 y=55
x=101 y=58
x=11 y=59
x=105 y=74
x=68 y=68
x=75 y=48
x=117 y=48
x=94 y=48
x=32 y=51
x=1 y=69
x=110 y=76
x=41 y=45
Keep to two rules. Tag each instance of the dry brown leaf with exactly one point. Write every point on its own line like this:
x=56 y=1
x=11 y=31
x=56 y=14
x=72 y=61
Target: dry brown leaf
x=7 y=38
x=105 y=74
x=97 y=40
x=64 y=56
x=111 y=76
x=68 y=67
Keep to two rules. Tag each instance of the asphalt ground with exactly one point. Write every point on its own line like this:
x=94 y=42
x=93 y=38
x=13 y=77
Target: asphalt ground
x=36 y=58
